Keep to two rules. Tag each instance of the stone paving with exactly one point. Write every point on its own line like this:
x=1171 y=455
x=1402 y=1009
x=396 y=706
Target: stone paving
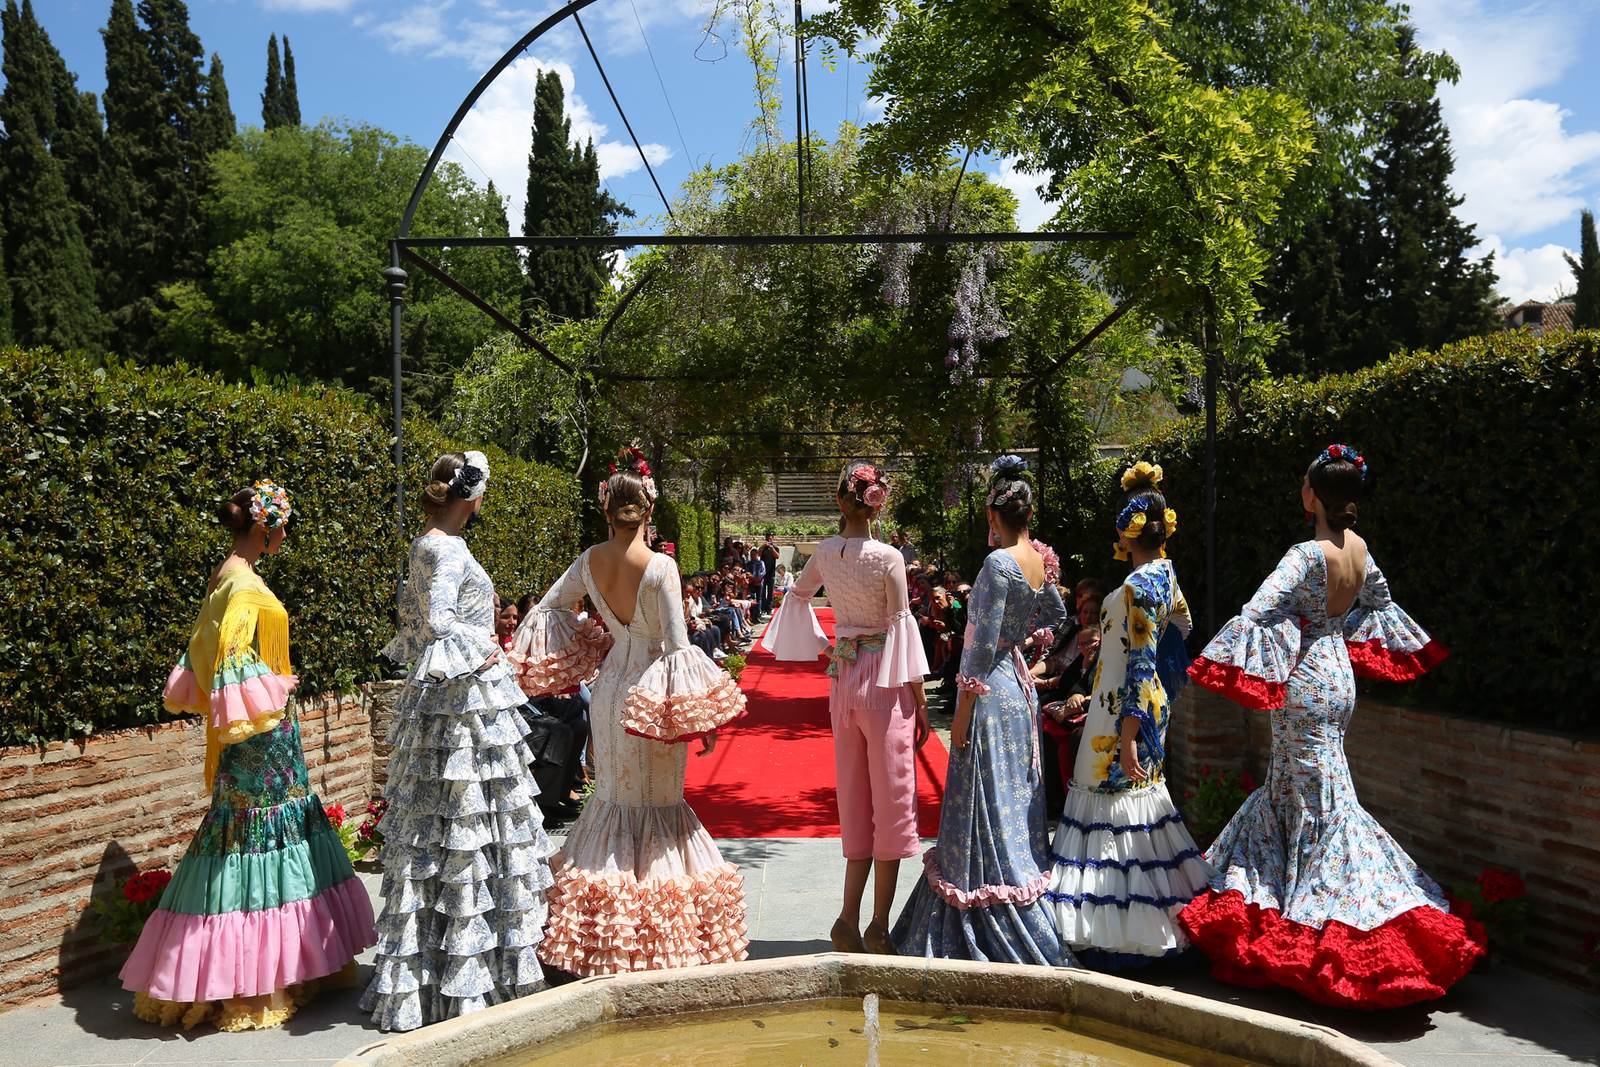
x=1505 y=1014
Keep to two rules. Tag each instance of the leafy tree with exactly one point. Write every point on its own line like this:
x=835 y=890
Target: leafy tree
x=564 y=197
x=272 y=111
x=220 y=124
x=5 y=287
x=290 y=100
x=51 y=280
x=1586 y=273
x=298 y=219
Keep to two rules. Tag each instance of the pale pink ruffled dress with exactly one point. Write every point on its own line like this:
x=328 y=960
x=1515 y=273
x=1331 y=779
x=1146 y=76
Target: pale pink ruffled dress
x=640 y=885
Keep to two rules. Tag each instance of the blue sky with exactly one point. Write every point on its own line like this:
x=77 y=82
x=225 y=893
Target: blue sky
x=1525 y=117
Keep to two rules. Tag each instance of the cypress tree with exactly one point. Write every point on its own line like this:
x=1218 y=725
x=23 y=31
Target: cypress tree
x=272 y=95
x=564 y=197
x=1586 y=272
x=127 y=243
x=290 y=98
x=50 y=275
x=220 y=125
x=504 y=273
x=5 y=286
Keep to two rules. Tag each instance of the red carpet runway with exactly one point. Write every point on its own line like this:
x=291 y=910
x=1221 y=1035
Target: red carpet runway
x=772 y=773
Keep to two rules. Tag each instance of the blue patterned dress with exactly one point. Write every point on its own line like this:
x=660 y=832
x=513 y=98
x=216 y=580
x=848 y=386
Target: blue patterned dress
x=1124 y=863
x=980 y=898
x=1310 y=892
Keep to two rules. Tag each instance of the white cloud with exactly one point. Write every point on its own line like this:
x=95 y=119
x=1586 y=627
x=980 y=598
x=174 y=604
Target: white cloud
x=1518 y=166
x=1032 y=210
x=308 y=6
x=495 y=136
x=1530 y=273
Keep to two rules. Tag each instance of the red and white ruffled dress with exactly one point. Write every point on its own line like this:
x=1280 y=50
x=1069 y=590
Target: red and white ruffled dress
x=639 y=885
x=1311 y=893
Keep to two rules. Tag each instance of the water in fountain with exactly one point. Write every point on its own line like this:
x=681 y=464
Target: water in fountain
x=874 y=1035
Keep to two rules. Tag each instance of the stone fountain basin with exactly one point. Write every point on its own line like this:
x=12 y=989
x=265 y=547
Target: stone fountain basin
x=1082 y=996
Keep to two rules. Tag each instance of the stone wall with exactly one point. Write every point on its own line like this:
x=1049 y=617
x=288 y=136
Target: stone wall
x=1458 y=794
x=78 y=816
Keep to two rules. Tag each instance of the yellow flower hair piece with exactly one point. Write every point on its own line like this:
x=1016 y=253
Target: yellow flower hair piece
x=1141 y=473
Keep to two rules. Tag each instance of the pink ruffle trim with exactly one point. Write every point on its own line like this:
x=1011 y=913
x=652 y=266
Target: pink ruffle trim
x=972 y=685
x=676 y=719
x=613 y=922
x=254 y=698
x=192 y=958
x=553 y=655
x=984 y=895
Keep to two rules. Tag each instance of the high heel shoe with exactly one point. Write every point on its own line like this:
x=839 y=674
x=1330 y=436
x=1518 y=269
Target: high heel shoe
x=846 y=938
x=878 y=941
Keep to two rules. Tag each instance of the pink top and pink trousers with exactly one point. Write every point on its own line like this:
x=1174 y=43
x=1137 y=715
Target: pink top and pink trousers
x=877 y=653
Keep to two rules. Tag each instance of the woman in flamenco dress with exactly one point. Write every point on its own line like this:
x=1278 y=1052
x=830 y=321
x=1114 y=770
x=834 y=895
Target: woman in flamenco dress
x=1124 y=863
x=981 y=897
x=264 y=907
x=1310 y=892
x=639 y=885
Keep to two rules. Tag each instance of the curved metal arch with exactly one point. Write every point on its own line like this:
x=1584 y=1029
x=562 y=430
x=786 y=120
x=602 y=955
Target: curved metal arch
x=494 y=72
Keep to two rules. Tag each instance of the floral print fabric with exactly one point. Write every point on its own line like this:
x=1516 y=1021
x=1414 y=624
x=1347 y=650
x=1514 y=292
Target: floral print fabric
x=980 y=895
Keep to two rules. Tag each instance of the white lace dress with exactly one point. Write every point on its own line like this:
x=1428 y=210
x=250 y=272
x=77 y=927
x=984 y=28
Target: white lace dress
x=465 y=856
x=640 y=885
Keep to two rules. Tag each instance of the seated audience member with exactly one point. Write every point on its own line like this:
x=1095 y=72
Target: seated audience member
x=1065 y=683
x=506 y=615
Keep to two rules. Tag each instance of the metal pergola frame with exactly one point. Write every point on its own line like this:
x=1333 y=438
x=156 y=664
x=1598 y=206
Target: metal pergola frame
x=405 y=248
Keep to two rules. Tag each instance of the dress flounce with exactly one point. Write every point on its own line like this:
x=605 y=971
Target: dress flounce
x=982 y=896
x=681 y=696
x=553 y=651
x=794 y=632
x=1387 y=645
x=1416 y=956
x=1250 y=662
x=448 y=657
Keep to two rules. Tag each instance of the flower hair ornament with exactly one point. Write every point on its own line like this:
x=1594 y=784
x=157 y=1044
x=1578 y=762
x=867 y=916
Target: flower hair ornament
x=269 y=505
x=868 y=486
x=1011 y=467
x=1141 y=475
x=1131 y=521
x=471 y=478
x=632 y=459
x=1335 y=453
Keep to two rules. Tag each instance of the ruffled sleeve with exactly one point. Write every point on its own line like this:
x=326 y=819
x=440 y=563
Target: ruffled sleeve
x=1385 y=643
x=1250 y=659
x=553 y=650
x=447 y=647
x=903 y=660
x=683 y=695
x=794 y=632
x=985 y=612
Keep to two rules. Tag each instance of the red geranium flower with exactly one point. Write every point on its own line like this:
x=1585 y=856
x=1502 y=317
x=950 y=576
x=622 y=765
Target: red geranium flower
x=335 y=814
x=1248 y=782
x=1458 y=907
x=1497 y=885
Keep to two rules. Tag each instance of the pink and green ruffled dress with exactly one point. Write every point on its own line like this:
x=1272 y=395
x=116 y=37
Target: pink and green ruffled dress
x=265 y=898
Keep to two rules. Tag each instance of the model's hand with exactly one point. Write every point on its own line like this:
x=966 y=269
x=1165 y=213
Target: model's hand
x=924 y=731
x=494 y=657
x=708 y=743
x=1130 y=759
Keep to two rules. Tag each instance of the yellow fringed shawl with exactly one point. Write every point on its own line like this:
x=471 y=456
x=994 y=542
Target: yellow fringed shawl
x=239 y=615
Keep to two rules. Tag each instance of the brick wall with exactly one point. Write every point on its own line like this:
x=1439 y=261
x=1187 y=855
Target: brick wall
x=1458 y=794
x=78 y=816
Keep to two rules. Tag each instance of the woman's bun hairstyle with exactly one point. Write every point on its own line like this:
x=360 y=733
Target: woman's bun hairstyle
x=1340 y=478
x=437 y=494
x=1141 y=485
x=234 y=513
x=630 y=492
x=863 y=489
x=1010 y=491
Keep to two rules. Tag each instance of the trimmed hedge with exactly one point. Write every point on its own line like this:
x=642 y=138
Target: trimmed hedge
x=691 y=528
x=107 y=535
x=1485 y=470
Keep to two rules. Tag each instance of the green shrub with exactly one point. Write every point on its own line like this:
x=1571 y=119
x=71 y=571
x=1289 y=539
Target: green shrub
x=1484 y=470
x=107 y=529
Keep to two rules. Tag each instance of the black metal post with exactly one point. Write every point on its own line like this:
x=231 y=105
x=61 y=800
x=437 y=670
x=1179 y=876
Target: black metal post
x=799 y=122
x=1209 y=340
x=395 y=278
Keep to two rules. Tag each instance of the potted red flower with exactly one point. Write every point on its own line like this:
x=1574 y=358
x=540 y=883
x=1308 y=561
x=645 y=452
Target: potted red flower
x=1499 y=900
x=122 y=915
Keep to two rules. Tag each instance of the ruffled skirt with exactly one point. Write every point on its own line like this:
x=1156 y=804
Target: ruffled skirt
x=465 y=856
x=1124 y=867
x=642 y=888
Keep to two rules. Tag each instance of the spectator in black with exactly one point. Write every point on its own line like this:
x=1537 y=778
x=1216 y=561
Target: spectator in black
x=769 y=556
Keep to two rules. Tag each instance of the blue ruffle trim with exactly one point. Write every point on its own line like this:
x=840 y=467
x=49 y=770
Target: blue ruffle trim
x=1114 y=902
x=1132 y=827
x=1127 y=865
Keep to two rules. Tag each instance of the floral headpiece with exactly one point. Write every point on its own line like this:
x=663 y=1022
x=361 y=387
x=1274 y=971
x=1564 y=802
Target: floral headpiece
x=1131 y=521
x=1011 y=467
x=1141 y=474
x=632 y=459
x=868 y=486
x=471 y=478
x=269 y=505
x=1335 y=453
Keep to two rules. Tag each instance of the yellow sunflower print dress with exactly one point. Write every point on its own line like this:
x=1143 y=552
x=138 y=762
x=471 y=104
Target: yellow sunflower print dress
x=1123 y=863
